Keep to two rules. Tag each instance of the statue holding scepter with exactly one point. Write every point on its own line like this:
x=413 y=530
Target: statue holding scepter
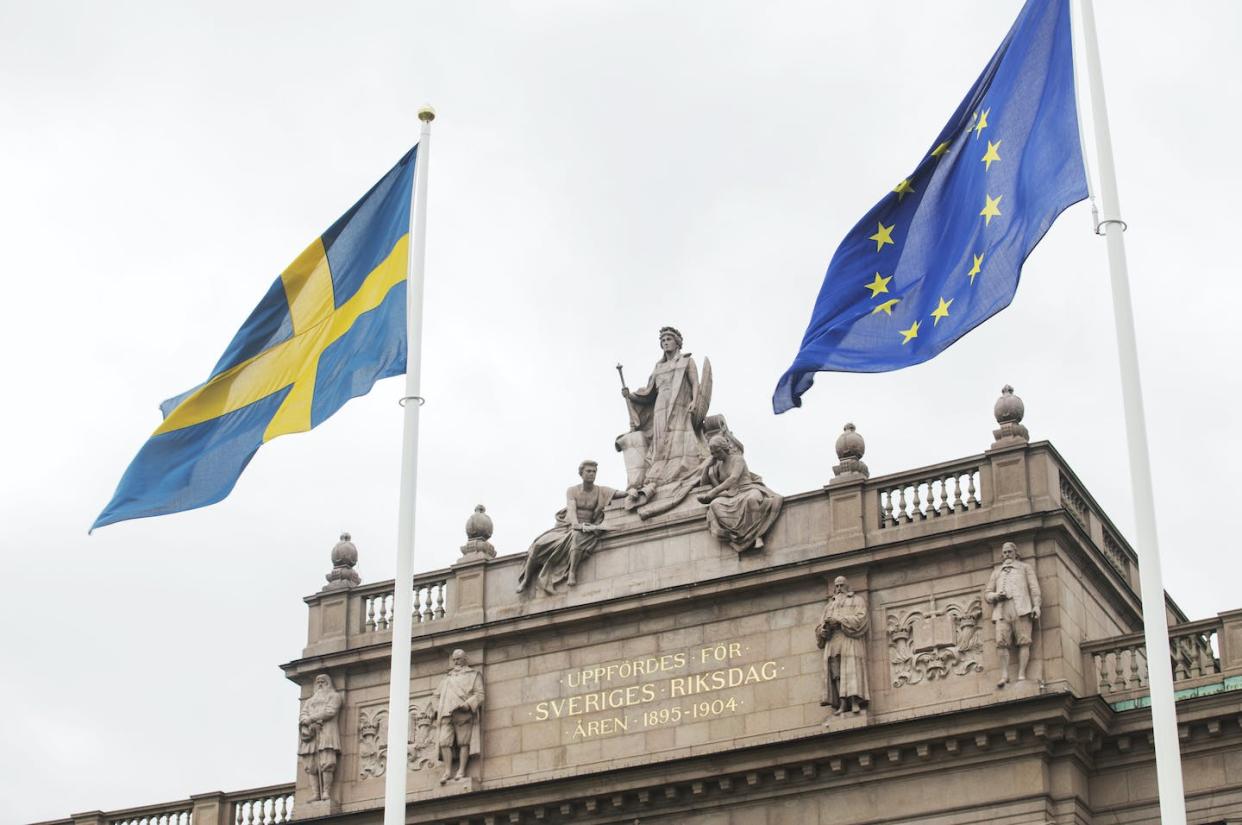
x=668 y=414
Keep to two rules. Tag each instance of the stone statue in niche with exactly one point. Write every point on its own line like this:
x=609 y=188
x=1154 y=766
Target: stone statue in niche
x=740 y=509
x=319 y=736
x=1013 y=592
x=456 y=705
x=842 y=635
x=665 y=448
x=554 y=556
x=929 y=642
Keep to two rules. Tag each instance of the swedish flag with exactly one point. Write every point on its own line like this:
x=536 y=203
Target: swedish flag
x=942 y=252
x=329 y=327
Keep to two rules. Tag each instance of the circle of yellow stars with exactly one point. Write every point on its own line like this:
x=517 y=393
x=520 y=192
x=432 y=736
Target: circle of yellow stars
x=884 y=234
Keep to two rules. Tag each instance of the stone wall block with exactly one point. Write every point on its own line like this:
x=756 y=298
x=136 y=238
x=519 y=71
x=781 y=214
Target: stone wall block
x=210 y=809
x=846 y=512
x=1230 y=640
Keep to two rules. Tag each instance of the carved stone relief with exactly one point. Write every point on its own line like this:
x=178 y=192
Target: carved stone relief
x=935 y=639
x=421 y=750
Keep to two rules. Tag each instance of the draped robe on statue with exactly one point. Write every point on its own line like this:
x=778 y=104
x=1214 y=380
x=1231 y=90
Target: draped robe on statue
x=845 y=649
x=745 y=511
x=461 y=687
x=548 y=559
x=663 y=412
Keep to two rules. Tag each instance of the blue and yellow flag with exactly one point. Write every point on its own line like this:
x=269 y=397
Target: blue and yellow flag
x=330 y=326
x=942 y=252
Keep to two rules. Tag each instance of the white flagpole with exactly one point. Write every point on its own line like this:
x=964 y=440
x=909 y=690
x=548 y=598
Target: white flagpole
x=403 y=584
x=1155 y=623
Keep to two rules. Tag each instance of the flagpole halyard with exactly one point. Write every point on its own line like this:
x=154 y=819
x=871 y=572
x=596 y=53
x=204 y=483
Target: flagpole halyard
x=1155 y=622
x=403 y=582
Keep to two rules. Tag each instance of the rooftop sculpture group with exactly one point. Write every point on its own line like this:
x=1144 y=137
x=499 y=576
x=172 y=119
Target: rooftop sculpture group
x=672 y=448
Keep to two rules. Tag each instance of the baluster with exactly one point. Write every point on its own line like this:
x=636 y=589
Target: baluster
x=1101 y=679
x=936 y=491
x=370 y=625
x=951 y=491
x=886 y=499
x=902 y=516
x=420 y=603
x=971 y=489
x=1134 y=681
x=1175 y=653
x=920 y=501
x=1208 y=655
x=440 y=599
x=282 y=813
x=1190 y=656
x=386 y=611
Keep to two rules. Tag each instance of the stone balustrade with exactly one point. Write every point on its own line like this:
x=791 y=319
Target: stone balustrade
x=268 y=805
x=429 y=603
x=263 y=806
x=946 y=492
x=1202 y=654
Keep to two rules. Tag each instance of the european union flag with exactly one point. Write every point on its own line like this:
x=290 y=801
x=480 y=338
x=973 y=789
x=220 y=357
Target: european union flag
x=942 y=252
x=329 y=327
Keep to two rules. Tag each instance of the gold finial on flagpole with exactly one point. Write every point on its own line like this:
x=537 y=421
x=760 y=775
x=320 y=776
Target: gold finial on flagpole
x=426 y=114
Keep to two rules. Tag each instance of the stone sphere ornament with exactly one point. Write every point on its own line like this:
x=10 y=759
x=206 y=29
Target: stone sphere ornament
x=1009 y=411
x=850 y=449
x=344 y=559
x=478 y=530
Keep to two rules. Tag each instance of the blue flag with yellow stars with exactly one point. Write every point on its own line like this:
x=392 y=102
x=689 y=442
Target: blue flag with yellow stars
x=328 y=328
x=942 y=252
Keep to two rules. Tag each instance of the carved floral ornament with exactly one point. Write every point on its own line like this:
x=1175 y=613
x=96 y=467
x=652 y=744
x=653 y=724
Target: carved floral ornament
x=929 y=642
x=421 y=750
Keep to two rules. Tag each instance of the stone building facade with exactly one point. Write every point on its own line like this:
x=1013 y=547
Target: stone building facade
x=681 y=681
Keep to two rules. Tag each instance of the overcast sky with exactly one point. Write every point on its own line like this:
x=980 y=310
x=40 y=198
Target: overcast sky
x=599 y=170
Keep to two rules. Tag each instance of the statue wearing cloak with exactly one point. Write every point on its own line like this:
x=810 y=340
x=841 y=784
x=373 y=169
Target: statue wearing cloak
x=842 y=635
x=669 y=413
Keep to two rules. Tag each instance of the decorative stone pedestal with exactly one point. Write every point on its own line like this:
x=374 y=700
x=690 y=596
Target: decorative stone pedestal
x=315 y=808
x=450 y=788
x=1020 y=690
x=846 y=721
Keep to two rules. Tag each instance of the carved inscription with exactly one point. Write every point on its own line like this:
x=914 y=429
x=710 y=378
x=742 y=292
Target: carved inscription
x=673 y=688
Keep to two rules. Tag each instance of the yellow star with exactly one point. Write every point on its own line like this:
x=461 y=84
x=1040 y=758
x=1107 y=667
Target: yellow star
x=886 y=307
x=976 y=268
x=991 y=209
x=990 y=156
x=982 y=123
x=908 y=334
x=941 y=311
x=878 y=285
x=942 y=149
x=902 y=189
x=885 y=235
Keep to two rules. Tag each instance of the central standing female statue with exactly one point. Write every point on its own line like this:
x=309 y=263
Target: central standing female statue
x=669 y=413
